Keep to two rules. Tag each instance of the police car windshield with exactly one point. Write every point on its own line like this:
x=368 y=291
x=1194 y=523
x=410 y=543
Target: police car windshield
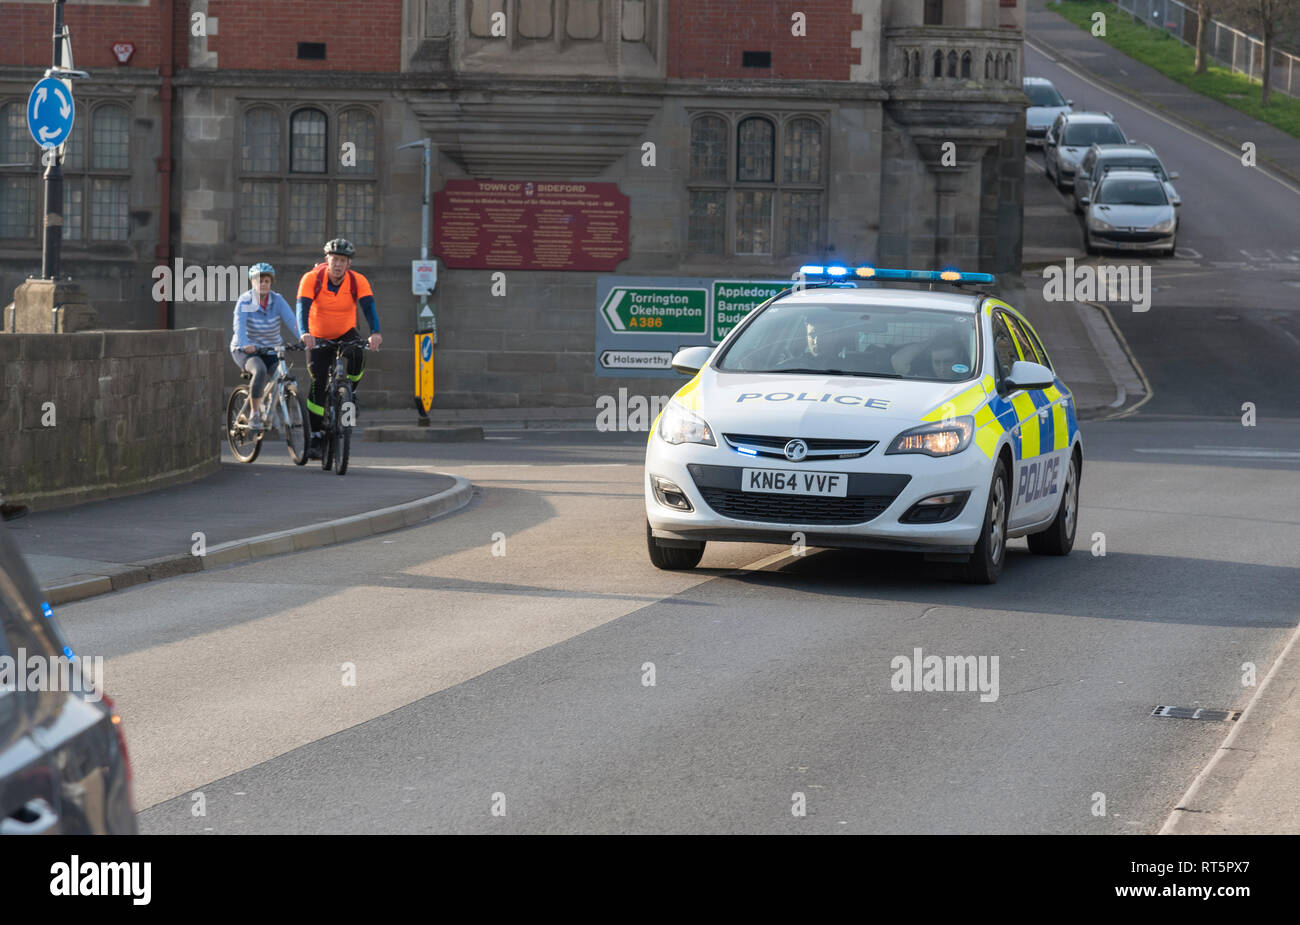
x=886 y=342
x=1082 y=134
x=1116 y=191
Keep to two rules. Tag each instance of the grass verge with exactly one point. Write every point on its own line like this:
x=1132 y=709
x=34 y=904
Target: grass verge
x=1176 y=61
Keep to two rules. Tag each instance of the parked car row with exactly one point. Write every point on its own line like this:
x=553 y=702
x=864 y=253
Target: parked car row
x=1120 y=186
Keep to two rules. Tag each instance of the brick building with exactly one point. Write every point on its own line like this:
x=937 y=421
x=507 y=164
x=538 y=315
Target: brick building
x=783 y=132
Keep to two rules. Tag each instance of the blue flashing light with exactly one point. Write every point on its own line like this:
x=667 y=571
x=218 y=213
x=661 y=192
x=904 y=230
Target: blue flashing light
x=47 y=609
x=746 y=452
x=67 y=650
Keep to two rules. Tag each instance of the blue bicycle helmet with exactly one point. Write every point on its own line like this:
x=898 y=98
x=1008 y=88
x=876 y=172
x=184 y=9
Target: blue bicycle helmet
x=258 y=269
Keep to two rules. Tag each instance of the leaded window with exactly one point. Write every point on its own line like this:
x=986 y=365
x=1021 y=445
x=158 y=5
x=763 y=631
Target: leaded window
x=96 y=162
x=321 y=185
x=18 y=182
x=766 y=199
x=307 y=141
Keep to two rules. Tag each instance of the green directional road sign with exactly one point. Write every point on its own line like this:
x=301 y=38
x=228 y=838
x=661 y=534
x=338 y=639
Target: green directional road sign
x=654 y=310
x=733 y=299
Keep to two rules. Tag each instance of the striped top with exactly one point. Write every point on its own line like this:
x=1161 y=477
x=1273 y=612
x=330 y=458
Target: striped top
x=260 y=327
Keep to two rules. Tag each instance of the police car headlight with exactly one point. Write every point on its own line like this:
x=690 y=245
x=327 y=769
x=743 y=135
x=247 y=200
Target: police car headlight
x=1097 y=224
x=680 y=425
x=1166 y=226
x=941 y=439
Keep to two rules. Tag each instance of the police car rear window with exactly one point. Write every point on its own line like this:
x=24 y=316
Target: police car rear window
x=869 y=341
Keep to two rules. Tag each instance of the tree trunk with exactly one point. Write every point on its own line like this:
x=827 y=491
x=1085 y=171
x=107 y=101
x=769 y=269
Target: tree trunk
x=1202 y=35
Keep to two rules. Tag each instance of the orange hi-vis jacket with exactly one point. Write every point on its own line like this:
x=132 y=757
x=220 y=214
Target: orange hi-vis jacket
x=332 y=314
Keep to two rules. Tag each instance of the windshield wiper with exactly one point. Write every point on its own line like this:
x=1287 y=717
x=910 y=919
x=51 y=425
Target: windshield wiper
x=825 y=372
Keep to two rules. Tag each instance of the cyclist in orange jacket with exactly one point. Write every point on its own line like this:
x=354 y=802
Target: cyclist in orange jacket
x=328 y=297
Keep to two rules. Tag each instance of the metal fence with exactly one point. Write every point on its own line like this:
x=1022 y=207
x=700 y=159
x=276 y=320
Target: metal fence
x=1228 y=46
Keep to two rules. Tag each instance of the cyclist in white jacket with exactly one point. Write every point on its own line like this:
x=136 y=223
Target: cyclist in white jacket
x=258 y=316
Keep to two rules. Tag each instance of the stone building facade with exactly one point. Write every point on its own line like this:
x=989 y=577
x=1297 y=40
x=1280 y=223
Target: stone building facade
x=781 y=132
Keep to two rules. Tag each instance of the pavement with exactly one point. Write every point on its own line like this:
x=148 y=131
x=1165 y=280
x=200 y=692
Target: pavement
x=1248 y=786
x=242 y=513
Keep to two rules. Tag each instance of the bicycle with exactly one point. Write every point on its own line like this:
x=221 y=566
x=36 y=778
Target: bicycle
x=336 y=429
x=283 y=406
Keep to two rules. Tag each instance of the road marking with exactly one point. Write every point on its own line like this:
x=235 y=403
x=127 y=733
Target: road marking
x=1234 y=154
x=1239 y=452
x=1034 y=164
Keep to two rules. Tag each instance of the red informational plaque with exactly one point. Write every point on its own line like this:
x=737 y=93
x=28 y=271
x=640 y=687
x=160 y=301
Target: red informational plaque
x=526 y=225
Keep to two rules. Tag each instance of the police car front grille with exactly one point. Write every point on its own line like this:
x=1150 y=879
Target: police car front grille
x=819 y=448
x=775 y=508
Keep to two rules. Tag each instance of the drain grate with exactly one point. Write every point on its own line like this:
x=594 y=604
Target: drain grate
x=1216 y=716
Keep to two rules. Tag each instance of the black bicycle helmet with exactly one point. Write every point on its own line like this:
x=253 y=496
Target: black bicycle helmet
x=340 y=246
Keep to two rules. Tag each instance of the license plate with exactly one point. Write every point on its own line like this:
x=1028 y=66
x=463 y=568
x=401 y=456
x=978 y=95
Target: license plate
x=795 y=482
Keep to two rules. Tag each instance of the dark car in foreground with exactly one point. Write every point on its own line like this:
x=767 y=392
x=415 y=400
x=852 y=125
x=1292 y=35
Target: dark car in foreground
x=64 y=768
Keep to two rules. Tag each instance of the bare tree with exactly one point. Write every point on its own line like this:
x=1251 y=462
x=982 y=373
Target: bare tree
x=1266 y=19
x=1204 y=13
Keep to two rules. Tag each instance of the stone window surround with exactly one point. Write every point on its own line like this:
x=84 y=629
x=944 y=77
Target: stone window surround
x=781 y=120
x=85 y=174
x=333 y=177
x=476 y=52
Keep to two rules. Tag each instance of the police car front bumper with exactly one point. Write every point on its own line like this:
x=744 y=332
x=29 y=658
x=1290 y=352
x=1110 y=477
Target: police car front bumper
x=888 y=486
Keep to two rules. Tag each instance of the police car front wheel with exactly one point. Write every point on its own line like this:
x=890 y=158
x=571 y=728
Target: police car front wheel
x=672 y=558
x=985 y=564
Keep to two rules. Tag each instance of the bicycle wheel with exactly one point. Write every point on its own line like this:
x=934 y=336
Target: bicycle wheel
x=343 y=432
x=245 y=443
x=296 y=433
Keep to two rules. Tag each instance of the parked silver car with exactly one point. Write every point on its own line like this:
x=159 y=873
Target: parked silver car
x=1101 y=158
x=1070 y=137
x=1130 y=210
x=1045 y=104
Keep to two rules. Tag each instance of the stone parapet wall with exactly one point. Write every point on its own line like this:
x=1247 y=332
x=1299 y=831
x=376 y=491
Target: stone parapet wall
x=98 y=414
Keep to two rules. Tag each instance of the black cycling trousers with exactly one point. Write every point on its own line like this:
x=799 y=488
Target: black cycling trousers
x=320 y=361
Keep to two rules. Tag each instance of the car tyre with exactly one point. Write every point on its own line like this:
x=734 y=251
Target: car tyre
x=672 y=558
x=1087 y=242
x=985 y=564
x=1058 y=538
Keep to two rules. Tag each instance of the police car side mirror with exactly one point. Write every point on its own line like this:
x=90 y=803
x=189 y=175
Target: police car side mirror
x=1173 y=174
x=690 y=360
x=1029 y=376
x=1084 y=200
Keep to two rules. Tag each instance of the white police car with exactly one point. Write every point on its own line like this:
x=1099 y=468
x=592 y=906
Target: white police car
x=879 y=418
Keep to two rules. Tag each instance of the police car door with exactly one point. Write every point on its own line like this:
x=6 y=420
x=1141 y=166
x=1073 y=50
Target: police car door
x=1026 y=467
x=1044 y=459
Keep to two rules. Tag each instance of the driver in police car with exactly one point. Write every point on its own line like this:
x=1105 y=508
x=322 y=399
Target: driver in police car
x=931 y=359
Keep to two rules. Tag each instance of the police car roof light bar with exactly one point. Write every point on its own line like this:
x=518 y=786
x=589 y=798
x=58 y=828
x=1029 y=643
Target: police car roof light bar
x=953 y=277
